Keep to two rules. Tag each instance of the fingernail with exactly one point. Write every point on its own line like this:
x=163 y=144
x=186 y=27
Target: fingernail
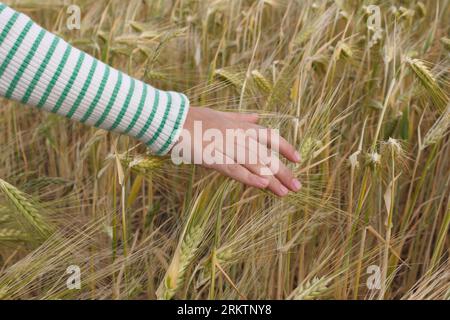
x=296 y=184
x=297 y=156
x=263 y=183
x=283 y=191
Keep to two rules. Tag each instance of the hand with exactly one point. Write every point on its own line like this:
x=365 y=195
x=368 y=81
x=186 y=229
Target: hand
x=247 y=156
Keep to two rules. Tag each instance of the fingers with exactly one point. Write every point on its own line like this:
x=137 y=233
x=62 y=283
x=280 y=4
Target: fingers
x=249 y=174
x=243 y=117
x=271 y=138
x=274 y=184
x=285 y=148
x=249 y=153
x=274 y=141
x=284 y=174
x=269 y=165
x=252 y=150
x=241 y=174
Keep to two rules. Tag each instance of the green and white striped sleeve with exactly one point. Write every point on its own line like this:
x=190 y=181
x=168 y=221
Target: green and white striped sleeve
x=42 y=70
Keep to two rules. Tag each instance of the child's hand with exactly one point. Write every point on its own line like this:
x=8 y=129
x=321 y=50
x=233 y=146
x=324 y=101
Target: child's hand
x=206 y=140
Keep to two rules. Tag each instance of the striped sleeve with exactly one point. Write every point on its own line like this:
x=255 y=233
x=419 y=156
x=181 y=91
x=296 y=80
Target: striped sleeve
x=40 y=69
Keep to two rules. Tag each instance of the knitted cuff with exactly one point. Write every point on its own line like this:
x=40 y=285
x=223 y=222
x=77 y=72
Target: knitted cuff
x=40 y=69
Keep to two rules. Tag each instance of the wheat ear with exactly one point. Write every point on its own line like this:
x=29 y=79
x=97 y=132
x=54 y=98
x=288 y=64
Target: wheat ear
x=261 y=82
x=311 y=290
x=428 y=81
x=7 y=234
x=174 y=280
x=438 y=130
x=26 y=208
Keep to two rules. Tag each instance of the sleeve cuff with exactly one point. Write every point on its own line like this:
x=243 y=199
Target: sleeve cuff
x=172 y=121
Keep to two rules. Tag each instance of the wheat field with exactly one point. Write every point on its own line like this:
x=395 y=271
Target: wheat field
x=367 y=108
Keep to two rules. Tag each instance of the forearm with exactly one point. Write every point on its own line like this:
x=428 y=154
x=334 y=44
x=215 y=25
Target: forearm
x=42 y=70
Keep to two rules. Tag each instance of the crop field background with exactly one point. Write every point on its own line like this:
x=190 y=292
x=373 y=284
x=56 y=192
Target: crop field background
x=367 y=108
